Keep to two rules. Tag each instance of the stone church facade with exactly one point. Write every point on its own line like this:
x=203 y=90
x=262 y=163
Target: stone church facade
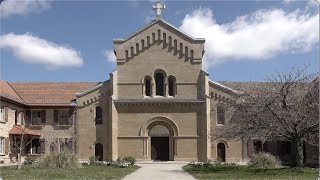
x=159 y=103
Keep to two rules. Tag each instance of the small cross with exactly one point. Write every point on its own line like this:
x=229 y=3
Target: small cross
x=158 y=7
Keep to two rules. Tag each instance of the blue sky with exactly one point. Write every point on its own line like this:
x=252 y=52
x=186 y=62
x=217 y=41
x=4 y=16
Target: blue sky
x=72 y=40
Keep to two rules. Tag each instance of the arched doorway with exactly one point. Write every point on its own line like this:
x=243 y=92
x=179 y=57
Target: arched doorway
x=99 y=151
x=160 y=143
x=221 y=152
x=159 y=126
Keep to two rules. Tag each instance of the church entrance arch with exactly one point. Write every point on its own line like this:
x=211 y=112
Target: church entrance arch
x=159 y=133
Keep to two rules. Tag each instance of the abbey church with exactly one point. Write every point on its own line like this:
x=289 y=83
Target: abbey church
x=159 y=104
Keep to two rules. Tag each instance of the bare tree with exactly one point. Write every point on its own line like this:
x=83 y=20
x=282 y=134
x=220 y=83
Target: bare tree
x=286 y=108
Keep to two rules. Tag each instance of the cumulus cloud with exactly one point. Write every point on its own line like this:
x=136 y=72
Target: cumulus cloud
x=109 y=55
x=260 y=35
x=23 y=7
x=32 y=49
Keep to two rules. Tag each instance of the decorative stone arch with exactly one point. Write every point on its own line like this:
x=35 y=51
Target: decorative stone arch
x=165 y=122
x=159 y=120
x=214 y=145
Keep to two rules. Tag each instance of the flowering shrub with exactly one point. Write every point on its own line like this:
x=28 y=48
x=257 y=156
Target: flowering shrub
x=210 y=163
x=264 y=160
x=121 y=163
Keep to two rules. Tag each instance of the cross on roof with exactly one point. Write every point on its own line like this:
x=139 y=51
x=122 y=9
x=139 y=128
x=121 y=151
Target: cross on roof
x=158 y=7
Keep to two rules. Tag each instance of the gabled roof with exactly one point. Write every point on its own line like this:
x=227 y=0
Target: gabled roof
x=165 y=23
x=49 y=93
x=91 y=89
x=6 y=91
x=226 y=88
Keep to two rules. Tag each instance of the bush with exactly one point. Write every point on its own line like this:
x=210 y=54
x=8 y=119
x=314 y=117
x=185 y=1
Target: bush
x=92 y=160
x=264 y=160
x=130 y=159
x=60 y=160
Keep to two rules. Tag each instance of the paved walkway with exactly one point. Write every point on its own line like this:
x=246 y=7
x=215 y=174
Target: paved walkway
x=160 y=170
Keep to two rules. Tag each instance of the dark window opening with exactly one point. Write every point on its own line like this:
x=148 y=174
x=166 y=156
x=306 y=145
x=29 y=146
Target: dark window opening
x=98 y=115
x=159 y=84
x=171 y=86
x=148 y=87
x=220 y=115
x=34 y=147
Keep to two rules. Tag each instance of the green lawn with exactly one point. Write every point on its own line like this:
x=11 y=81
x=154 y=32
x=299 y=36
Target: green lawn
x=245 y=172
x=84 y=172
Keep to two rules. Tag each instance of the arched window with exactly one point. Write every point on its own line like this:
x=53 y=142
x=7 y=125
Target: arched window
x=220 y=115
x=159 y=84
x=98 y=115
x=221 y=152
x=171 y=86
x=147 y=85
x=98 y=151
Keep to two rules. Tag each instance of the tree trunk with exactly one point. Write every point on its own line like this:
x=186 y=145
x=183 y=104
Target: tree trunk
x=297 y=152
x=19 y=160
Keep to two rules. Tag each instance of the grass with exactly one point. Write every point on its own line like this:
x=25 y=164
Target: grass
x=245 y=172
x=84 y=172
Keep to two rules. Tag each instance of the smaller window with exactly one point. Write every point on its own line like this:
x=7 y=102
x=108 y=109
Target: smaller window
x=36 y=117
x=63 y=117
x=1 y=145
x=98 y=115
x=171 y=88
x=15 y=116
x=1 y=114
x=18 y=118
x=257 y=146
x=148 y=87
x=34 y=147
x=220 y=115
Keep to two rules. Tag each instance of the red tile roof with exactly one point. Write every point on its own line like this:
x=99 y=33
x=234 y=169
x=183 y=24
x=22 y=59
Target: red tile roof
x=17 y=130
x=49 y=93
x=6 y=91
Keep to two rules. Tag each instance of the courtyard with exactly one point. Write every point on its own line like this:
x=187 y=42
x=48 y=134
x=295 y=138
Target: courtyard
x=158 y=170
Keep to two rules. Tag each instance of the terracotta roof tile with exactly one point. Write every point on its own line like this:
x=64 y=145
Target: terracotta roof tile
x=6 y=91
x=49 y=93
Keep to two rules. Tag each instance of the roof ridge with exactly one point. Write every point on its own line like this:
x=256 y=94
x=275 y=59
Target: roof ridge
x=16 y=92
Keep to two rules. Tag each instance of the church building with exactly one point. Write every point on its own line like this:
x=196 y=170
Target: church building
x=159 y=104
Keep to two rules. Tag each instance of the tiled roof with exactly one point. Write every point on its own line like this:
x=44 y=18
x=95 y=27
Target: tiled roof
x=255 y=88
x=49 y=93
x=248 y=87
x=17 y=130
x=6 y=91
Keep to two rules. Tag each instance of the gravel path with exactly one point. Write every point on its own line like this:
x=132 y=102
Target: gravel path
x=160 y=170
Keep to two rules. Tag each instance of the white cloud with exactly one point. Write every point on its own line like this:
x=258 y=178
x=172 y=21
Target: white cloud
x=109 y=55
x=32 y=49
x=23 y=7
x=260 y=35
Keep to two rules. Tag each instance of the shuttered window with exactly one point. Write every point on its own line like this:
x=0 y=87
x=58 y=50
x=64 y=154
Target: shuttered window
x=1 y=145
x=1 y=114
